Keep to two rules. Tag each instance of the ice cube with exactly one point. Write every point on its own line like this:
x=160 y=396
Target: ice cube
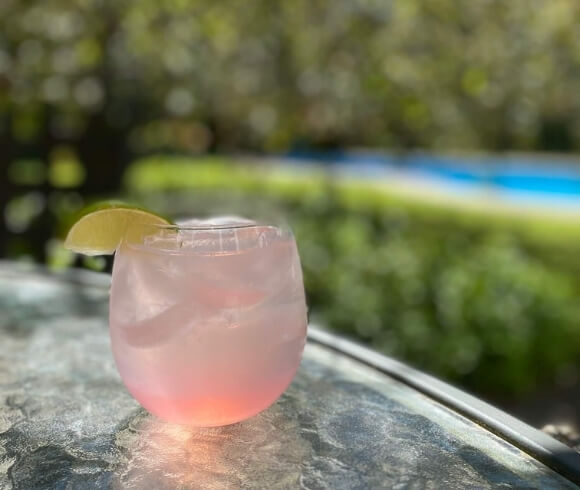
x=174 y=323
x=216 y=222
x=145 y=284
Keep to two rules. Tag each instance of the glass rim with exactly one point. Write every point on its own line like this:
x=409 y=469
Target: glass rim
x=201 y=231
x=205 y=227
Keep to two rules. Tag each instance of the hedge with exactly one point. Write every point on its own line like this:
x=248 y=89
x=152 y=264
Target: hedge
x=481 y=295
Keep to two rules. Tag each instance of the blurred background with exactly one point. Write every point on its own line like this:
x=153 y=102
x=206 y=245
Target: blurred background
x=424 y=152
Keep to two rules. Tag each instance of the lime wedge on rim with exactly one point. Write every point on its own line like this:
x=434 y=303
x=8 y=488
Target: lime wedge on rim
x=102 y=227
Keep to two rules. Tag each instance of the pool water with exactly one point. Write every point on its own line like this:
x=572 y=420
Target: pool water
x=539 y=180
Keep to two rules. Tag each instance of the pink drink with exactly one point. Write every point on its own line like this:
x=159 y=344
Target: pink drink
x=208 y=325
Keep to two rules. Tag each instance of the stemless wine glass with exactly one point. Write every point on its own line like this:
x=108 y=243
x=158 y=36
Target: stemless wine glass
x=208 y=319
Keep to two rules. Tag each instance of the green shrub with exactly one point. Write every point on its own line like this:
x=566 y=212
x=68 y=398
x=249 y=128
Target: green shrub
x=483 y=296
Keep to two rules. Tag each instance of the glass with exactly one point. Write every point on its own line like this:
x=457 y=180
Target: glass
x=208 y=320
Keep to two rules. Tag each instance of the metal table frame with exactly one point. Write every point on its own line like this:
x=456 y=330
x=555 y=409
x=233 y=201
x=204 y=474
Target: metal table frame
x=534 y=442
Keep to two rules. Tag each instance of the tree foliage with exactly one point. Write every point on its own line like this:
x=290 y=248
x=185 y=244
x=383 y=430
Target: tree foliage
x=98 y=82
x=192 y=74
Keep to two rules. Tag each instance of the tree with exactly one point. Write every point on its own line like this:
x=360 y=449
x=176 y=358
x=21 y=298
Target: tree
x=109 y=80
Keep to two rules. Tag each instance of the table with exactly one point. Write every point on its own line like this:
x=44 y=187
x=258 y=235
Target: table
x=351 y=419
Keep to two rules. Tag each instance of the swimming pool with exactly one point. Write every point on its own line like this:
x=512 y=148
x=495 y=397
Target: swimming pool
x=525 y=179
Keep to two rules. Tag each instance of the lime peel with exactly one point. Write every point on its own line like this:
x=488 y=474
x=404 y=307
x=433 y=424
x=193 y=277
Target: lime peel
x=102 y=227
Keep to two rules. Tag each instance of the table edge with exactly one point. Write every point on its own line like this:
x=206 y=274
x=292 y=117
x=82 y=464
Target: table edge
x=542 y=447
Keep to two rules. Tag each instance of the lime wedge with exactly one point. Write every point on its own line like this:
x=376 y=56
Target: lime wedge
x=102 y=227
